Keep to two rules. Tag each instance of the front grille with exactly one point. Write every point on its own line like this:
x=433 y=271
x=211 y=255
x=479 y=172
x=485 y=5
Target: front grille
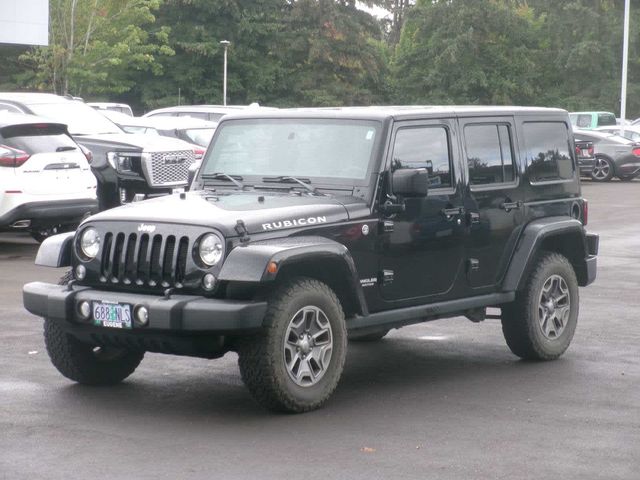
x=168 y=168
x=144 y=259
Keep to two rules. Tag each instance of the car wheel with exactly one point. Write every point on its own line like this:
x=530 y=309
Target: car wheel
x=540 y=323
x=41 y=234
x=86 y=363
x=295 y=364
x=602 y=170
x=369 y=337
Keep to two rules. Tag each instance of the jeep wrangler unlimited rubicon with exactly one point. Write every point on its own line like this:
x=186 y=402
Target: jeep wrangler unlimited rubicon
x=304 y=228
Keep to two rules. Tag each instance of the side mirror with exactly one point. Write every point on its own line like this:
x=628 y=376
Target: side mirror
x=410 y=182
x=192 y=173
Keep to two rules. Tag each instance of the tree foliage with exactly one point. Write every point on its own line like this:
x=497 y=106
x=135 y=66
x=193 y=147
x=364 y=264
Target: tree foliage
x=154 y=53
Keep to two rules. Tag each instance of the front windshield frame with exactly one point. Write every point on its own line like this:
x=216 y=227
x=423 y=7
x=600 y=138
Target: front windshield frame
x=375 y=156
x=76 y=120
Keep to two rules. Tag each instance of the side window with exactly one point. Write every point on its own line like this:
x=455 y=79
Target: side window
x=547 y=149
x=489 y=154
x=424 y=147
x=584 y=121
x=4 y=107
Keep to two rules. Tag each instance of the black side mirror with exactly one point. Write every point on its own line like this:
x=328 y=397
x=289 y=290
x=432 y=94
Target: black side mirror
x=410 y=182
x=192 y=173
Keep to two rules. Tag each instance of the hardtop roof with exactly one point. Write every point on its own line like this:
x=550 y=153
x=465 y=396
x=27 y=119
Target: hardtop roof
x=400 y=112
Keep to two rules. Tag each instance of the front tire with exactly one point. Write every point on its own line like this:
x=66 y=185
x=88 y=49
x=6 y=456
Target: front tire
x=540 y=323
x=295 y=364
x=85 y=363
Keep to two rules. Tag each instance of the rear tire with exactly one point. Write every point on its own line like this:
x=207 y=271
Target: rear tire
x=540 y=323
x=295 y=363
x=602 y=170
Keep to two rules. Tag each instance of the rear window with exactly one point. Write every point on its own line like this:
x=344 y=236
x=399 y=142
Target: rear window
x=37 y=138
x=605 y=119
x=547 y=151
x=582 y=121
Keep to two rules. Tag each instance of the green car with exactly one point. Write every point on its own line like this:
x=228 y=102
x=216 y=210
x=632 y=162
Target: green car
x=589 y=120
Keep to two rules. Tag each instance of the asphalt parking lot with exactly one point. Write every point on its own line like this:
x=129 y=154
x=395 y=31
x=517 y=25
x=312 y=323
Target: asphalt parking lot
x=443 y=400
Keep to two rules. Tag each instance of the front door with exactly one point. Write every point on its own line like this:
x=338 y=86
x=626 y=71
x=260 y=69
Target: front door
x=422 y=246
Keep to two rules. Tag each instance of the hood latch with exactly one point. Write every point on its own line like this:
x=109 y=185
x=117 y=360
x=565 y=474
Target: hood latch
x=241 y=230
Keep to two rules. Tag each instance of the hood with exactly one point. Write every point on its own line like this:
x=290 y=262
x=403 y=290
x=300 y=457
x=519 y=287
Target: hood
x=261 y=212
x=134 y=141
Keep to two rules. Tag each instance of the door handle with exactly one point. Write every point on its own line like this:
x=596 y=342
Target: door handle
x=449 y=213
x=508 y=206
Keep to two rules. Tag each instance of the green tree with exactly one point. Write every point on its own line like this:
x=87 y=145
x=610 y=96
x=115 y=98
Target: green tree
x=467 y=52
x=97 y=47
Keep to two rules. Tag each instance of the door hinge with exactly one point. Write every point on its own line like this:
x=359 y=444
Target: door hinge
x=387 y=277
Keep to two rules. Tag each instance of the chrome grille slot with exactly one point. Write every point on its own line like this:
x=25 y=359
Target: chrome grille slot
x=144 y=260
x=168 y=168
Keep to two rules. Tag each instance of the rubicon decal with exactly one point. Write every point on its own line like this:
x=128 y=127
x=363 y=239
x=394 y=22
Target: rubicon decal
x=297 y=222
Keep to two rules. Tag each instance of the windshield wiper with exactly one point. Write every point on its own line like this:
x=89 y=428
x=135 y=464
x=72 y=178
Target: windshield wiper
x=287 y=179
x=224 y=176
x=65 y=149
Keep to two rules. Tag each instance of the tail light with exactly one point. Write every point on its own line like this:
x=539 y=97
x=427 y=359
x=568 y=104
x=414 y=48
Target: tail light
x=636 y=151
x=590 y=150
x=87 y=153
x=198 y=152
x=12 y=157
x=585 y=212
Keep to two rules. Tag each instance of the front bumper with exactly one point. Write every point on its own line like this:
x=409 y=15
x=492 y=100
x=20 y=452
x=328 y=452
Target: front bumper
x=178 y=314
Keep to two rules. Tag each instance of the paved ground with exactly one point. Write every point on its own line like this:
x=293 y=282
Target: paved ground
x=444 y=400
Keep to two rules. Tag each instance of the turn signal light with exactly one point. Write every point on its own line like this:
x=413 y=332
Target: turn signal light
x=272 y=267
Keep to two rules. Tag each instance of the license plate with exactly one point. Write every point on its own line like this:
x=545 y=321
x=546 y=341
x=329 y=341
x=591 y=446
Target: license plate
x=112 y=315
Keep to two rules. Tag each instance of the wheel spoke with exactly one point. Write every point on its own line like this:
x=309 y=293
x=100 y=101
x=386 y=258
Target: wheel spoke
x=307 y=346
x=554 y=306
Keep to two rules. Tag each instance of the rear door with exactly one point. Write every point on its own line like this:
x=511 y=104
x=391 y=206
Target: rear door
x=494 y=201
x=56 y=164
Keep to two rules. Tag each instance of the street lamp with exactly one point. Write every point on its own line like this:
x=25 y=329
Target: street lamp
x=225 y=44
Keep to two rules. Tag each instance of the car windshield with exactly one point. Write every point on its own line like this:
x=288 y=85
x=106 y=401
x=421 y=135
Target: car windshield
x=79 y=117
x=304 y=148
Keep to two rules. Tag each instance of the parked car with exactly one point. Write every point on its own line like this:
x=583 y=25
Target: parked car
x=213 y=113
x=308 y=228
x=615 y=155
x=630 y=132
x=585 y=155
x=112 y=107
x=46 y=184
x=194 y=131
x=589 y=120
x=124 y=164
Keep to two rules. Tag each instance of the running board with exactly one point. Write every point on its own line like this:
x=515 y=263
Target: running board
x=423 y=313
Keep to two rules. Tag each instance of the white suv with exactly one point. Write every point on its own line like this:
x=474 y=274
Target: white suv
x=46 y=184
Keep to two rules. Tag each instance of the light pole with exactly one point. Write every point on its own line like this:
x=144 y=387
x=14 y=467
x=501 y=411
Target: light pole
x=225 y=44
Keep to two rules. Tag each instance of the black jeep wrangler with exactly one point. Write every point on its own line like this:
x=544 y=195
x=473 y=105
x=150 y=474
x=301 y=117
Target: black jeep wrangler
x=306 y=228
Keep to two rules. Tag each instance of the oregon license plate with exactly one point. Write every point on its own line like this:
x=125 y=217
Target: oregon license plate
x=112 y=315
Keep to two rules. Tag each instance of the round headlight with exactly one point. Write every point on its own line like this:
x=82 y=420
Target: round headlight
x=210 y=249
x=90 y=243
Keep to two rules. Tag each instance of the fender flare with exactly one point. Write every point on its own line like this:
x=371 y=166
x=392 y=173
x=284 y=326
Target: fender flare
x=55 y=251
x=248 y=263
x=529 y=243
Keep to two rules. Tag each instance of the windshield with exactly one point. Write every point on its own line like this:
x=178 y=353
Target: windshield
x=322 y=148
x=79 y=117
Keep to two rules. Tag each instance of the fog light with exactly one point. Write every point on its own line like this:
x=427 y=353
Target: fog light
x=209 y=281
x=142 y=315
x=84 y=309
x=81 y=272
